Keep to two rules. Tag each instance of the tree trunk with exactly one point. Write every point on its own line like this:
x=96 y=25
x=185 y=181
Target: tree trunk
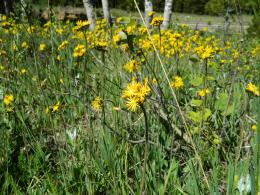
x=148 y=8
x=167 y=13
x=105 y=7
x=88 y=4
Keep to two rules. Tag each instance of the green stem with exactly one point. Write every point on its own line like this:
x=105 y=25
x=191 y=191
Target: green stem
x=145 y=150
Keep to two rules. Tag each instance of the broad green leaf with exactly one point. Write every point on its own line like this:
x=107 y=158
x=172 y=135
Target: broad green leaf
x=122 y=35
x=196 y=102
x=222 y=101
x=199 y=115
x=197 y=81
x=194 y=58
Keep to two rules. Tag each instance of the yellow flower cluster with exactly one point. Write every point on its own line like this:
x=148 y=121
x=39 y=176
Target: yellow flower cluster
x=204 y=52
x=79 y=51
x=96 y=104
x=177 y=83
x=135 y=94
x=156 y=21
x=101 y=46
x=131 y=66
x=252 y=89
x=53 y=108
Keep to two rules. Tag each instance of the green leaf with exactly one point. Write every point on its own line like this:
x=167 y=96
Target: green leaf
x=122 y=35
x=197 y=81
x=198 y=116
x=194 y=58
x=222 y=101
x=196 y=102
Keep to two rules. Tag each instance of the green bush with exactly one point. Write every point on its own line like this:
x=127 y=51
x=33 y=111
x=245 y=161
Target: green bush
x=215 y=7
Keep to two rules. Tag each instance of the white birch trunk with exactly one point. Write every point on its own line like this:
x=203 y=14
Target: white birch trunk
x=167 y=14
x=105 y=7
x=88 y=4
x=148 y=8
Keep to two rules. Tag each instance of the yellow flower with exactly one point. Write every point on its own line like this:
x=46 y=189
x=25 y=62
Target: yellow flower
x=79 y=51
x=63 y=45
x=254 y=127
x=131 y=66
x=156 y=21
x=59 y=31
x=151 y=13
x=177 y=82
x=42 y=47
x=204 y=52
x=8 y=99
x=203 y=92
x=252 y=89
x=101 y=45
x=135 y=94
x=132 y=104
x=24 y=45
x=96 y=104
x=56 y=107
x=23 y=71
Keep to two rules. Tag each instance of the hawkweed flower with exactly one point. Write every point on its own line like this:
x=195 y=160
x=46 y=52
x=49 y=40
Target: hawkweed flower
x=203 y=92
x=131 y=66
x=135 y=93
x=8 y=99
x=42 y=47
x=101 y=46
x=177 y=83
x=96 y=104
x=63 y=45
x=79 y=51
x=157 y=21
x=53 y=108
x=254 y=127
x=253 y=89
x=24 y=45
x=23 y=71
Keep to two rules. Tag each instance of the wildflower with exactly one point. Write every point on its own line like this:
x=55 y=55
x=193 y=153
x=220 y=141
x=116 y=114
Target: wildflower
x=177 y=82
x=252 y=89
x=58 y=58
x=8 y=99
x=79 y=51
x=116 y=39
x=61 y=81
x=151 y=13
x=204 y=52
x=23 y=71
x=101 y=46
x=42 y=47
x=135 y=94
x=24 y=45
x=53 y=108
x=56 y=107
x=156 y=21
x=59 y=31
x=63 y=45
x=254 y=127
x=203 y=92
x=131 y=66
x=96 y=104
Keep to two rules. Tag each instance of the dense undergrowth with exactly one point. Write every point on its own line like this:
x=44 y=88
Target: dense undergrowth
x=122 y=111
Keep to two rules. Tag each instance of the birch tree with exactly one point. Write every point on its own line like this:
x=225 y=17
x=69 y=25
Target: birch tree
x=105 y=7
x=148 y=9
x=167 y=13
x=88 y=4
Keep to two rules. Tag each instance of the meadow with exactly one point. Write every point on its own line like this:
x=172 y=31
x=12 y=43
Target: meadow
x=127 y=110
